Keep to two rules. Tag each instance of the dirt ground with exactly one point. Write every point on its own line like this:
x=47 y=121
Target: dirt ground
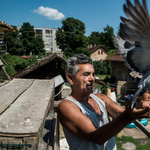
x=137 y=134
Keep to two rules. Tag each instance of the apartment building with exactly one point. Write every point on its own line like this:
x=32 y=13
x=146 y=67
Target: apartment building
x=2 y=43
x=48 y=35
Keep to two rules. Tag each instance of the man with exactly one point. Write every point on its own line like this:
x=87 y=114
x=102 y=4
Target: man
x=144 y=100
x=84 y=116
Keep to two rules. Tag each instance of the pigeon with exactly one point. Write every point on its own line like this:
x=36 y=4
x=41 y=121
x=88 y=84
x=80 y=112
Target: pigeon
x=133 y=44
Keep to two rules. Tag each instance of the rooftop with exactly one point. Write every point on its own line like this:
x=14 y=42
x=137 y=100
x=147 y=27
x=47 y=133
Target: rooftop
x=116 y=57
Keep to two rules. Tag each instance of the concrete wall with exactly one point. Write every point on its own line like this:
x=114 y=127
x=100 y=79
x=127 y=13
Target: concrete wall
x=125 y=87
x=120 y=71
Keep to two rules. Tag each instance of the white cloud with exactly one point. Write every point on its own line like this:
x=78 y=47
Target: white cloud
x=49 y=13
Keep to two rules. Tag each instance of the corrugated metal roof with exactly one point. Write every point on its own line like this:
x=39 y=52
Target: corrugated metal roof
x=5 y=27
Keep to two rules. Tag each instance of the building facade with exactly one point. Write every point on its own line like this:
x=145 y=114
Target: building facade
x=2 y=43
x=119 y=69
x=48 y=35
x=97 y=52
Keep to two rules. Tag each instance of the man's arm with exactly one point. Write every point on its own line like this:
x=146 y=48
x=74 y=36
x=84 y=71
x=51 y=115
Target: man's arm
x=80 y=125
x=113 y=109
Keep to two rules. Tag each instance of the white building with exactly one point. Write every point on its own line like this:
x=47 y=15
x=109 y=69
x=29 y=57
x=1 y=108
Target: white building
x=48 y=35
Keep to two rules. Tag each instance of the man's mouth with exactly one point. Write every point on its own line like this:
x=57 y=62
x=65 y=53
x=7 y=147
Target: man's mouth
x=90 y=85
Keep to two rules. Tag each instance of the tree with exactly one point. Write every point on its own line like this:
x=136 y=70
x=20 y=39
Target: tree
x=94 y=38
x=103 y=38
x=71 y=36
x=24 y=41
x=81 y=50
x=14 y=45
x=30 y=42
x=111 y=53
x=106 y=38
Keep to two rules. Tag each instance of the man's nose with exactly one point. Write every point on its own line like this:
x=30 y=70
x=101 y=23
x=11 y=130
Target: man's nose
x=92 y=77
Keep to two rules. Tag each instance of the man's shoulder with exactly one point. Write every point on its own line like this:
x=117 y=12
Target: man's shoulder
x=65 y=104
x=103 y=97
x=100 y=95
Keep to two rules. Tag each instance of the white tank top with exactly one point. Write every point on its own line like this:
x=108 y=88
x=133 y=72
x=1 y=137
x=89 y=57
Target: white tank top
x=76 y=143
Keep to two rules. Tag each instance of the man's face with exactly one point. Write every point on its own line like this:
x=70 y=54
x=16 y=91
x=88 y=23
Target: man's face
x=84 y=80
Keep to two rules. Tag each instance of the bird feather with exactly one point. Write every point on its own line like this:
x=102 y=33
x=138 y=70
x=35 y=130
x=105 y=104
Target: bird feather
x=134 y=43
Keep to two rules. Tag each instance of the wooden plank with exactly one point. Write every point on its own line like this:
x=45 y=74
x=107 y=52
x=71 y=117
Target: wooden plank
x=58 y=80
x=27 y=114
x=43 y=143
x=10 y=92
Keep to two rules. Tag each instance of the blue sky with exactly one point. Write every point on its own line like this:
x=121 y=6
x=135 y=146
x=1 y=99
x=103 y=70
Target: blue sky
x=95 y=14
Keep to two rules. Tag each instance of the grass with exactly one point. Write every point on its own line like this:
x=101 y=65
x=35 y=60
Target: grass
x=125 y=139
x=102 y=77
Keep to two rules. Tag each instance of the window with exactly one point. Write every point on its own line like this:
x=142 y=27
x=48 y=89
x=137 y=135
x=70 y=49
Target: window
x=47 y=31
x=125 y=77
x=101 y=53
x=113 y=71
x=51 y=31
x=2 y=47
x=51 y=43
x=47 y=37
x=47 y=43
x=40 y=36
x=38 y=31
x=47 y=48
x=98 y=52
x=119 y=73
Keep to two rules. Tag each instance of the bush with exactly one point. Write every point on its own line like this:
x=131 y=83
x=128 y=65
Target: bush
x=16 y=63
x=105 y=88
x=102 y=67
x=110 y=79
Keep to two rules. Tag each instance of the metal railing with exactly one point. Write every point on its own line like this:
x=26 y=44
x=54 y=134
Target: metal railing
x=14 y=146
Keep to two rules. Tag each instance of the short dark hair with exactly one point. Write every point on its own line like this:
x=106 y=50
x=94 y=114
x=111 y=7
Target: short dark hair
x=72 y=63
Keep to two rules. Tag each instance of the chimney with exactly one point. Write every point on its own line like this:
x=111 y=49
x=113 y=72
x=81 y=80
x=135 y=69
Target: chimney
x=89 y=46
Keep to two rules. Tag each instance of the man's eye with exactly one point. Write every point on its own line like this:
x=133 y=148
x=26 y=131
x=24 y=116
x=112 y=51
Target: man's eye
x=86 y=74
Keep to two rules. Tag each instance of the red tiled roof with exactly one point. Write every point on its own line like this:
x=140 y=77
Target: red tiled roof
x=92 y=49
x=25 y=57
x=116 y=57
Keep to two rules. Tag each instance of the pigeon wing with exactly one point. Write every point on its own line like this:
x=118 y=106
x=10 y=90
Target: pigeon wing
x=136 y=29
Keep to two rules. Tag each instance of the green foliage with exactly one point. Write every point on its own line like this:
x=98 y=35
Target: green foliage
x=110 y=79
x=103 y=38
x=24 y=42
x=125 y=139
x=81 y=50
x=106 y=38
x=16 y=63
x=102 y=67
x=105 y=87
x=71 y=36
x=14 y=45
x=94 y=38
x=110 y=53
